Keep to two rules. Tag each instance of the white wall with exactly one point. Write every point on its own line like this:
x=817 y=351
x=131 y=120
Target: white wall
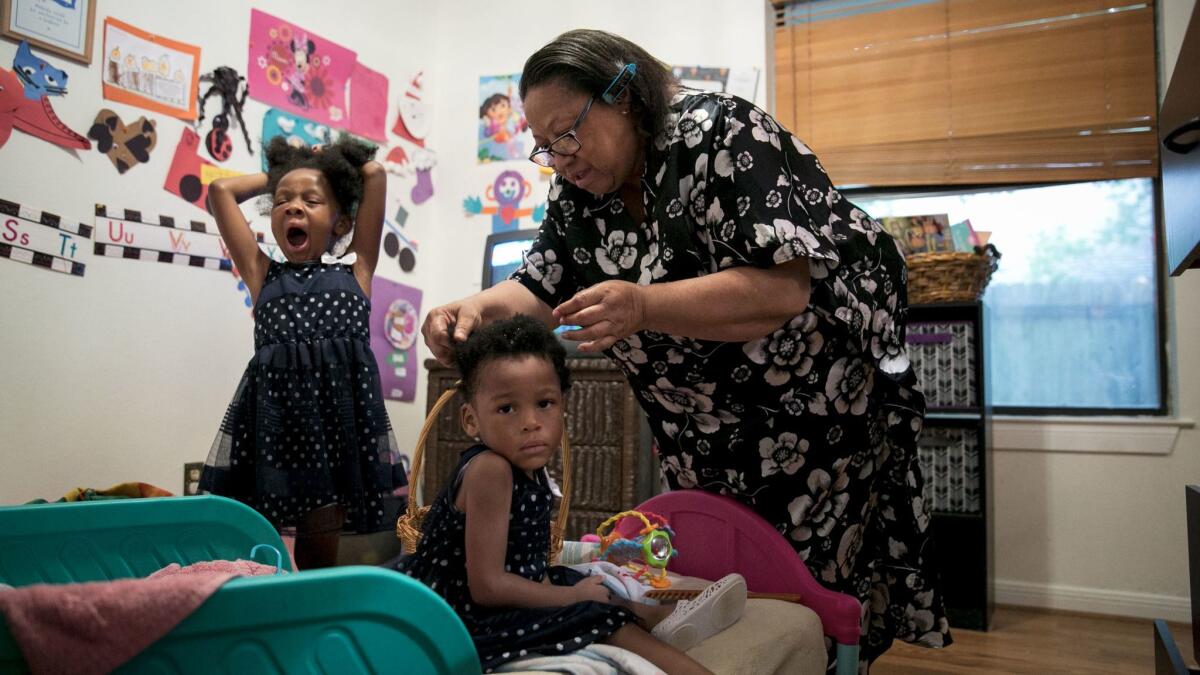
x=1173 y=16
x=124 y=374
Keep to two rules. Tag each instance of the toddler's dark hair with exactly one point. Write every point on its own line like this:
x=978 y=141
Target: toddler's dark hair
x=341 y=163
x=519 y=336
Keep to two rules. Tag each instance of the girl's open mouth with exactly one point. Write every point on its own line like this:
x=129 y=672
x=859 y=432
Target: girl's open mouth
x=297 y=237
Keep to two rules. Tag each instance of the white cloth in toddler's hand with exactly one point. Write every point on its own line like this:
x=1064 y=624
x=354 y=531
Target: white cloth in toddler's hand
x=618 y=580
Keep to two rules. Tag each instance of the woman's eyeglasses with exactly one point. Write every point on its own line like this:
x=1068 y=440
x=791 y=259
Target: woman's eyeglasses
x=565 y=145
x=568 y=143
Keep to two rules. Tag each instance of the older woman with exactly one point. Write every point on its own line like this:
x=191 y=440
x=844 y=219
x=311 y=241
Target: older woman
x=756 y=312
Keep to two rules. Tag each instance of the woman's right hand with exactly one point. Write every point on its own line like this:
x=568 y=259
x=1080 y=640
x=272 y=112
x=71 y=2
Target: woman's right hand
x=464 y=316
x=592 y=588
x=461 y=317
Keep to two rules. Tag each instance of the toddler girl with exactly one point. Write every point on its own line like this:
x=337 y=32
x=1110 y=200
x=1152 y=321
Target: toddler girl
x=307 y=425
x=485 y=539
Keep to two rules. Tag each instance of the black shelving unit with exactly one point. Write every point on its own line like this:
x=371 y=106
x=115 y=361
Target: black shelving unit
x=946 y=345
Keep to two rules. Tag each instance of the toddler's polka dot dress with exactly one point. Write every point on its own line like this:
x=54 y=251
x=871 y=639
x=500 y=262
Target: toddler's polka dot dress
x=507 y=633
x=307 y=425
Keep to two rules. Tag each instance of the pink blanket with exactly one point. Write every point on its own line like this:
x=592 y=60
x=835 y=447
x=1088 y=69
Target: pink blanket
x=96 y=627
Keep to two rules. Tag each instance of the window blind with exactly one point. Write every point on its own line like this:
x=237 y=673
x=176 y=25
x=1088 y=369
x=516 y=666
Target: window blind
x=938 y=92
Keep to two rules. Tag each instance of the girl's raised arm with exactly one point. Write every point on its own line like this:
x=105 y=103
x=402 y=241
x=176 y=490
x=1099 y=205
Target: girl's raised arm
x=368 y=223
x=224 y=195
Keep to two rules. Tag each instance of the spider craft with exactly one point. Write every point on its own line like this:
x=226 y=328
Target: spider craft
x=647 y=553
x=225 y=82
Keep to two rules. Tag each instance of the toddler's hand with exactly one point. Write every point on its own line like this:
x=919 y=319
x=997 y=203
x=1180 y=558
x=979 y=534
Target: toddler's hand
x=592 y=588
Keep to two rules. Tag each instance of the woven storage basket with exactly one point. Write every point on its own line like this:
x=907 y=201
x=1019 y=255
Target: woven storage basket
x=408 y=526
x=950 y=277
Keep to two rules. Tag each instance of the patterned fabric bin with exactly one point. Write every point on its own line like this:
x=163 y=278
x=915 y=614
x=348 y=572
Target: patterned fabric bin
x=950 y=461
x=943 y=356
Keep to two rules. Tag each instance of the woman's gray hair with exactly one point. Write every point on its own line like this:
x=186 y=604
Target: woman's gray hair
x=588 y=60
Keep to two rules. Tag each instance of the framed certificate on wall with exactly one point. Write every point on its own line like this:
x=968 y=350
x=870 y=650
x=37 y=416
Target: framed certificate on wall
x=63 y=27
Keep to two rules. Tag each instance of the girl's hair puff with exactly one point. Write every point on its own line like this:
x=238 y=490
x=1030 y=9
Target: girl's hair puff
x=340 y=163
x=519 y=336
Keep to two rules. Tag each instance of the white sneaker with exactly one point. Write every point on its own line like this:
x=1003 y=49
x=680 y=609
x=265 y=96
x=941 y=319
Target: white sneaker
x=717 y=607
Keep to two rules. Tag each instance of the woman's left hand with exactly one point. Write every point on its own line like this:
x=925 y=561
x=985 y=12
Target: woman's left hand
x=605 y=313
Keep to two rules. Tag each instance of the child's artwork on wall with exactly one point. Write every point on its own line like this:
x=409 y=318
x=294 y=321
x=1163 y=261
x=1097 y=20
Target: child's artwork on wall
x=395 y=326
x=400 y=247
x=10 y=100
x=126 y=145
x=412 y=119
x=224 y=82
x=423 y=161
x=38 y=77
x=503 y=132
x=190 y=174
x=25 y=101
x=368 y=104
x=920 y=234
x=292 y=68
x=298 y=131
x=506 y=194
x=125 y=233
x=150 y=71
x=42 y=239
x=396 y=161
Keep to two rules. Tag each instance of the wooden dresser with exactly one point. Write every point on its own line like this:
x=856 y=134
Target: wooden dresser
x=613 y=468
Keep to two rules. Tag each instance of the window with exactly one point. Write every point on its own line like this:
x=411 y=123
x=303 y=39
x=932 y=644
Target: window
x=954 y=92
x=1073 y=318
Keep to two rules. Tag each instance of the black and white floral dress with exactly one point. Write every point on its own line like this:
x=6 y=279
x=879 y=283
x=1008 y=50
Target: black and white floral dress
x=814 y=426
x=507 y=634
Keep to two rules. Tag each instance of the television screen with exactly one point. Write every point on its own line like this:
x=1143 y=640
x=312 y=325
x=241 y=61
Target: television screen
x=504 y=259
x=503 y=254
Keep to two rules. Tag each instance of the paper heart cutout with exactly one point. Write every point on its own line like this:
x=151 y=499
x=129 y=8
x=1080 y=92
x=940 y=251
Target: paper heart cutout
x=286 y=123
x=126 y=145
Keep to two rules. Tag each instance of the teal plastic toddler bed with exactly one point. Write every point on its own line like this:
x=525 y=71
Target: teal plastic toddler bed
x=343 y=620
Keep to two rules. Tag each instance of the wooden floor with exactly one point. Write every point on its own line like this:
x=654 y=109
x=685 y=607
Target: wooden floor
x=1037 y=641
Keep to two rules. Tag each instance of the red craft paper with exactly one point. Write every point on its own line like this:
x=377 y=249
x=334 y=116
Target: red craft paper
x=368 y=103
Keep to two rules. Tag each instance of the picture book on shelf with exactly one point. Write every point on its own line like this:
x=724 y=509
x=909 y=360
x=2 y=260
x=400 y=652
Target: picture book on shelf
x=920 y=234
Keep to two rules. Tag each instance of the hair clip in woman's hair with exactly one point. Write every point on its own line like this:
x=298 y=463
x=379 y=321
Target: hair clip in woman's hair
x=617 y=87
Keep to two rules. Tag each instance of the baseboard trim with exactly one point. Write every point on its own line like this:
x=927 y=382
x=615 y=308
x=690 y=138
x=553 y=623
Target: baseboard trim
x=1093 y=600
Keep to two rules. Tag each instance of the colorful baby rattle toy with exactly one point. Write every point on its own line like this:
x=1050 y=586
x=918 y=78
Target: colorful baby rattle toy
x=647 y=553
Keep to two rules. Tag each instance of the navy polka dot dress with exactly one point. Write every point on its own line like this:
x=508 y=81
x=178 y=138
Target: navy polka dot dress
x=307 y=425
x=507 y=634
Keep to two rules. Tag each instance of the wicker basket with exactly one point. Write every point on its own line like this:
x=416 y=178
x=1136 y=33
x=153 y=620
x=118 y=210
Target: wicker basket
x=950 y=277
x=408 y=526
